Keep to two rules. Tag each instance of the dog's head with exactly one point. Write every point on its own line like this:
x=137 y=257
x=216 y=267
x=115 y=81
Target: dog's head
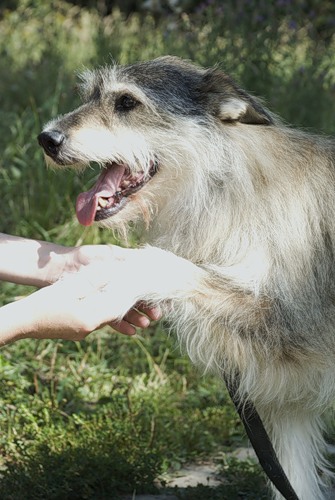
x=147 y=124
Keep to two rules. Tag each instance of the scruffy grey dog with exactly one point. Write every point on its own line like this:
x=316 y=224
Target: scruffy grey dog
x=240 y=212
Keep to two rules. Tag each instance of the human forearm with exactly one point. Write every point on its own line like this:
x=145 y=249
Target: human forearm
x=31 y=262
x=74 y=305
x=16 y=321
x=69 y=309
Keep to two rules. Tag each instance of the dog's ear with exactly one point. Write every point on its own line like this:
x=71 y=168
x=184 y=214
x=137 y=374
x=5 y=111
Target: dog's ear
x=224 y=99
x=237 y=109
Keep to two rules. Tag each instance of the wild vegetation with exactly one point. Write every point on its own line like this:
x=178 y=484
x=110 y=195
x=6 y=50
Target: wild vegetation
x=104 y=417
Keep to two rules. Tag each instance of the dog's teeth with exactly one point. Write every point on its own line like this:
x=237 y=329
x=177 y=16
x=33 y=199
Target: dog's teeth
x=103 y=202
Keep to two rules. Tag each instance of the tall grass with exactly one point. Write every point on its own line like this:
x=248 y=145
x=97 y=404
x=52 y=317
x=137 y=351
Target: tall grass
x=106 y=416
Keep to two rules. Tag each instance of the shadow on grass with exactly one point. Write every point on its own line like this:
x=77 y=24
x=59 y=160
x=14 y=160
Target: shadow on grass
x=224 y=492
x=80 y=473
x=107 y=474
x=240 y=480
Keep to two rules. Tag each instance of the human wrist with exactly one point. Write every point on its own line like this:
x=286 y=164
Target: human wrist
x=31 y=262
x=18 y=320
x=78 y=257
x=58 y=261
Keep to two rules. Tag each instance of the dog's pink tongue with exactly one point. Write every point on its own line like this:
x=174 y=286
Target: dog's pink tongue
x=106 y=186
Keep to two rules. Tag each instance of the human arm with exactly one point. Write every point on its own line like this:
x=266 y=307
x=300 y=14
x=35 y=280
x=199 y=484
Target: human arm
x=33 y=262
x=70 y=309
x=40 y=263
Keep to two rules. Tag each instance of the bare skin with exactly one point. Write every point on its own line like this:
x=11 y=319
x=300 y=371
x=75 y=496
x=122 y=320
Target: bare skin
x=72 y=300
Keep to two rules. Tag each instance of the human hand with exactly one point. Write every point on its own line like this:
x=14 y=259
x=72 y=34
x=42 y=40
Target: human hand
x=87 y=256
x=81 y=301
x=70 y=309
x=102 y=292
x=139 y=317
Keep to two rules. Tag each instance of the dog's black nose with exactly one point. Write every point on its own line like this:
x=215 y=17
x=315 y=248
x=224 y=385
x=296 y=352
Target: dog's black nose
x=51 y=141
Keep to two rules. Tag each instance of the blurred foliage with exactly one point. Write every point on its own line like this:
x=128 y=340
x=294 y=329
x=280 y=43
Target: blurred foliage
x=281 y=50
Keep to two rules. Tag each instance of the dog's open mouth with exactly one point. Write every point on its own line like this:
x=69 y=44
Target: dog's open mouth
x=110 y=193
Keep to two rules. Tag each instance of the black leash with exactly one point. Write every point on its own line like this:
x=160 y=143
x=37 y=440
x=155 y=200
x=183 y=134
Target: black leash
x=260 y=441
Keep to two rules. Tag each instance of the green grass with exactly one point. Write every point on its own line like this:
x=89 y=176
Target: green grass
x=106 y=416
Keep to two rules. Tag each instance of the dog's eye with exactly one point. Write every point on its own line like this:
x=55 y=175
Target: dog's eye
x=125 y=103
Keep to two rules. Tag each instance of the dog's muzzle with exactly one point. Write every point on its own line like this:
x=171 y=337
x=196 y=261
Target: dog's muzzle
x=51 y=142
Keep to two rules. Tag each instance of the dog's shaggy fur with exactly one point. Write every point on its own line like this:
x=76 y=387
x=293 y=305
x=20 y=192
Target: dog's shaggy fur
x=240 y=211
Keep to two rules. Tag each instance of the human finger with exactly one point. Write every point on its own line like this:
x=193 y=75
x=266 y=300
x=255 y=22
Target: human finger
x=123 y=327
x=136 y=318
x=153 y=312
